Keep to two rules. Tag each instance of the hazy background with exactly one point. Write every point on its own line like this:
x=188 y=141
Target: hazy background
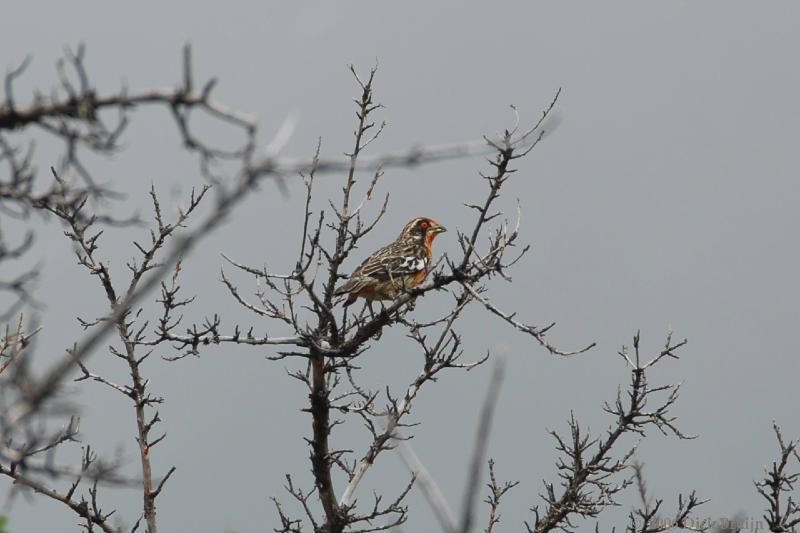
x=667 y=199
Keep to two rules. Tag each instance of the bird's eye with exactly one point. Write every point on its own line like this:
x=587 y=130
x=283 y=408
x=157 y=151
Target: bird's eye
x=423 y=225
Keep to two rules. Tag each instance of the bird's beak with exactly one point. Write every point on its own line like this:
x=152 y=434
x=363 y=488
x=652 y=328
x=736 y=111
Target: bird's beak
x=438 y=228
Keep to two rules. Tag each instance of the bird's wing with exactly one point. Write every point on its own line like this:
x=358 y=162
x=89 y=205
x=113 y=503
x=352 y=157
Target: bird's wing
x=394 y=261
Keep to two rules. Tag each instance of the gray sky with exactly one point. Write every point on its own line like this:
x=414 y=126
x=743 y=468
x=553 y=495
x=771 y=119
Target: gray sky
x=666 y=199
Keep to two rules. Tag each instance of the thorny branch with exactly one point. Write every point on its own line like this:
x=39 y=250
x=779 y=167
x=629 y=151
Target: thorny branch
x=88 y=510
x=28 y=452
x=77 y=105
x=647 y=518
x=331 y=344
x=590 y=471
x=78 y=114
x=482 y=433
x=783 y=511
x=327 y=344
x=130 y=330
x=496 y=493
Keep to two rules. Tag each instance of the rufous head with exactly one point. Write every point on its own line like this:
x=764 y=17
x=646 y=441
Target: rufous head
x=422 y=229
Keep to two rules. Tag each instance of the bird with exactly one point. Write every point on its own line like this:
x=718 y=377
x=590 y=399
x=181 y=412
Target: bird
x=396 y=267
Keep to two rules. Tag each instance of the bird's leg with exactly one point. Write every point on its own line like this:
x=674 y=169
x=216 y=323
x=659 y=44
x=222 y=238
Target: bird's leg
x=372 y=311
x=405 y=289
x=397 y=312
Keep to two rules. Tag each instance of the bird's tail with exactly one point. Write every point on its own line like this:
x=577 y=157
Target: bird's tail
x=347 y=288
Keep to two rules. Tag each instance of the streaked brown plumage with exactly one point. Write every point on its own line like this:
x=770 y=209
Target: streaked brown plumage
x=396 y=267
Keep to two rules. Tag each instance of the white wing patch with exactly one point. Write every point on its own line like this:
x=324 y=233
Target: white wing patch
x=414 y=264
x=405 y=266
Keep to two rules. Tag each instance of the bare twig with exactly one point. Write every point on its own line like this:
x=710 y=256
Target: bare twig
x=83 y=508
x=429 y=487
x=496 y=493
x=589 y=468
x=781 y=516
x=479 y=451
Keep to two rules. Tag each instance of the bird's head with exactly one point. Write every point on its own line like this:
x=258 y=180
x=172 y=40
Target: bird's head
x=422 y=229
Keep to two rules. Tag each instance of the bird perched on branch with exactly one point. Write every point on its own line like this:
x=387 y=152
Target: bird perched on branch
x=396 y=267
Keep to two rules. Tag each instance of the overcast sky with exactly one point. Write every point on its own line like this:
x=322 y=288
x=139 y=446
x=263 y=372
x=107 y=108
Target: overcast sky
x=667 y=199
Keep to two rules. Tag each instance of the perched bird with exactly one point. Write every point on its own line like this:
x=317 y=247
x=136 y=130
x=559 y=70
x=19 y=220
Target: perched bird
x=396 y=267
